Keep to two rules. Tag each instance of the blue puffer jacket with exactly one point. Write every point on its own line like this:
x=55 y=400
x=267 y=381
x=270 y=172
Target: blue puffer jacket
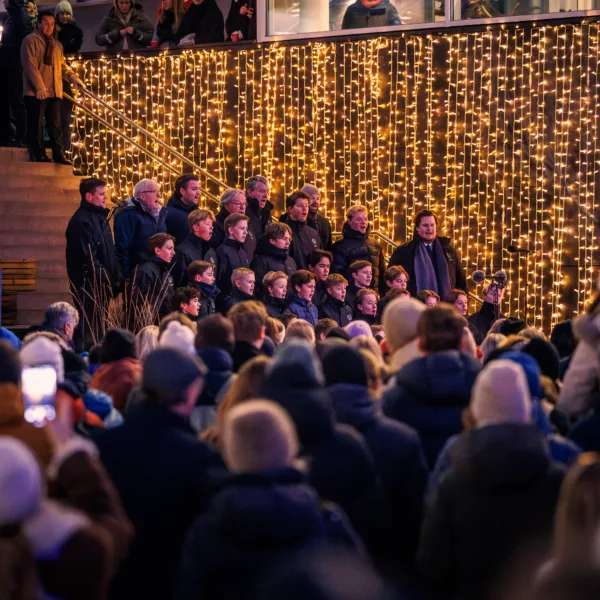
x=303 y=309
x=177 y=219
x=220 y=368
x=430 y=395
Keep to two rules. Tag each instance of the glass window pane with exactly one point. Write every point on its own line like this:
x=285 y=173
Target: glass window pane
x=484 y=9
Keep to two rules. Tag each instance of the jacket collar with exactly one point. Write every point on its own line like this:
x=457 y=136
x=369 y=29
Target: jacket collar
x=212 y=291
x=93 y=208
x=349 y=233
x=237 y=293
x=297 y=300
x=253 y=206
x=163 y=264
x=198 y=243
x=267 y=249
x=232 y=243
x=175 y=202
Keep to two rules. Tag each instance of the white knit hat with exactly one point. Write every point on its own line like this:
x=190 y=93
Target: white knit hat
x=178 y=336
x=259 y=435
x=42 y=351
x=20 y=482
x=501 y=395
x=400 y=319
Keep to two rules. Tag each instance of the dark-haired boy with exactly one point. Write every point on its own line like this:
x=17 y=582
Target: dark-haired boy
x=303 y=284
x=201 y=275
x=361 y=275
x=187 y=301
x=319 y=263
x=335 y=306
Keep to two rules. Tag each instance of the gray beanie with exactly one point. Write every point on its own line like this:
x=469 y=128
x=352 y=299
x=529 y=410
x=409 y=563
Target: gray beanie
x=63 y=6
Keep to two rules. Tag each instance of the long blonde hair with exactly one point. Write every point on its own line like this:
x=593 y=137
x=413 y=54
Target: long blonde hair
x=146 y=341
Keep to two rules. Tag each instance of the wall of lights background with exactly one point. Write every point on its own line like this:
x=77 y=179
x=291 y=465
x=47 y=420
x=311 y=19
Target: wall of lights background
x=497 y=131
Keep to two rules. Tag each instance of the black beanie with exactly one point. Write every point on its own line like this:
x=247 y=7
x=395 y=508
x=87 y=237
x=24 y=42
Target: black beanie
x=10 y=364
x=512 y=326
x=116 y=345
x=546 y=356
x=344 y=364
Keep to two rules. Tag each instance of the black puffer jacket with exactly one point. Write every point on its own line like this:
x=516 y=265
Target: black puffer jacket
x=154 y=284
x=275 y=306
x=305 y=239
x=90 y=249
x=230 y=256
x=177 y=219
x=499 y=495
x=270 y=258
x=193 y=248
x=337 y=310
x=358 y=246
x=208 y=298
x=70 y=36
x=109 y=33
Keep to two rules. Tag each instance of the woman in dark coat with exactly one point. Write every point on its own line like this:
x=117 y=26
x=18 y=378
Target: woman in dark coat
x=126 y=27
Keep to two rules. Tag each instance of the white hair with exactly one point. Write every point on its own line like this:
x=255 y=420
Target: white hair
x=229 y=195
x=141 y=186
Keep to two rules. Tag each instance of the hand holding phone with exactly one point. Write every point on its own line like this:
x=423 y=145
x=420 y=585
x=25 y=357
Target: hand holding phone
x=39 y=392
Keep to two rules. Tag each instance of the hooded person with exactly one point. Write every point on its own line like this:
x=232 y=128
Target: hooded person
x=395 y=447
x=263 y=514
x=160 y=469
x=12 y=416
x=85 y=534
x=341 y=466
x=499 y=494
x=120 y=371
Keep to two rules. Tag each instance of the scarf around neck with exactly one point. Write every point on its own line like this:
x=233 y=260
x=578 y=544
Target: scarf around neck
x=425 y=272
x=49 y=49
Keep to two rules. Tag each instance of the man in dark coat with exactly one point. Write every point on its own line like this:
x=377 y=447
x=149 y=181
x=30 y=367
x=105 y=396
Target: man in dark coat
x=431 y=392
x=197 y=245
x=316 y=220
x=160 y=469
x=485 y=317
x=305 y=239
x=232 y=201
x=395 y=447
x=204 y=21
x=356 y=244
x=136 y=222
x=126 y=27
x=430 y=261
x=259 y=207
x=180 y=205
x=92 y=267
x=497 y=500
x=272 y=254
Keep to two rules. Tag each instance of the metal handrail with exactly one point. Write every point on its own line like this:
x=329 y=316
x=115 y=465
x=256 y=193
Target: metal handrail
x=132 y=141
x=166 y=146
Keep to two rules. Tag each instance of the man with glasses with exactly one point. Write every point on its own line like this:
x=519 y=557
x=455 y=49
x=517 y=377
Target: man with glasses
x=231 y=202
x=136 y=222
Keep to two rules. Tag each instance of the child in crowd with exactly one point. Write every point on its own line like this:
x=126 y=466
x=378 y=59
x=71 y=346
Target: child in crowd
x=361 y=275
x=366 y=306
x=187 y=301
x=428 y=298
x=303 y=283
x=335 y=307
x=201 y=275
x=320 y=264
x=324 y=326
x=275 y=291
x=242 y=281
x=231 y=254
x=396 y=278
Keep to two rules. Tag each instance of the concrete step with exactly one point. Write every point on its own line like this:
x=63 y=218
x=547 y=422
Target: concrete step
x=18 y=187
x=36 y=240
x=34 y=169
x=37 y=301
x=51 y=285
x=45 y=253
x=51 y=269
x=14 y=154
x=46 y=225
x=26 y=318
x=32 y=210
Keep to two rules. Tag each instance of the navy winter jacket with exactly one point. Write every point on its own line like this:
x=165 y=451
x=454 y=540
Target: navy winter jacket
x=177 y=219
x=337 y=310
x=193 y=248
x=220 y=368
x=134 y=226
x=270 y=258
x=430 y=395
x=230 y=256
x=208 y=298
x=303 y=309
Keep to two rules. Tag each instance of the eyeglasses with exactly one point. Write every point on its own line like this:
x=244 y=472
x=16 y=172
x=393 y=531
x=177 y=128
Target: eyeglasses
x=239 y=204
x=151 y=192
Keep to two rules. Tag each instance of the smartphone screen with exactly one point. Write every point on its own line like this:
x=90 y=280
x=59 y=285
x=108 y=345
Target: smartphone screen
x=39 y=392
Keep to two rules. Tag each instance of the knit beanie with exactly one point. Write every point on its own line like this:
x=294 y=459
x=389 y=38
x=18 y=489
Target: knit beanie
x=20 y=482
x=10 y=364
x=63 y=6
x=512 y=326
x=296 y=364
x=42 y=351
x=358 y=327
x=546 y=356
x=500 y=395
x=178 y=336
x=344 y=364
x=116 y=345
x=258 y=436
x=400 y=319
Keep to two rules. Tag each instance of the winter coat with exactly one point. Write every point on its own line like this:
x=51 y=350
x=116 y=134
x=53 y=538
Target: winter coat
x=341 y=467
x=154 y=284
x=109 y=32
x=405 y=257
x=16 y=28
x=256 y=522
x=305 y=239
x=90 y=250
x=238 y=22
x=191 y=249
x=337 y=310
x=397 y=455
x=37 y=75
x=205 y=21
x=586 y=432
x=499 y=495
x=275 y=306
x=259 y=217
x=236 y=296
x=358 y=246
x=270 y=258
x=70 y=36
x=177 y=219
x=358 y=16
x=242 y=353
x=117 y=379
x=79 y=541
x=134 y=226
x=482 y=321
x=303 y=309
x=13 y=424
x=218 y=236
x=166 y=32
x=319 y=223
x=208 y=298
x=230 y=256
x=320 y=294
x=350 y=298
x=430 y=395
x=161 y=471
x=220 y=368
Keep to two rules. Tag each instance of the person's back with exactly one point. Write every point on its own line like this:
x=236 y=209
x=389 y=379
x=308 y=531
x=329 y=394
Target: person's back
x=160 y=469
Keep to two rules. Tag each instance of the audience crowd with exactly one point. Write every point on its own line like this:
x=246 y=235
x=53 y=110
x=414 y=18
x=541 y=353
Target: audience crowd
x=271 y=414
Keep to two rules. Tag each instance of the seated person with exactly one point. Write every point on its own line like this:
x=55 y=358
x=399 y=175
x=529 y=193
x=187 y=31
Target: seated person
x=275 y=292
x=335 y=307
x=242 y=281
x=201 y=275
x=303 y=285
x=366 y=306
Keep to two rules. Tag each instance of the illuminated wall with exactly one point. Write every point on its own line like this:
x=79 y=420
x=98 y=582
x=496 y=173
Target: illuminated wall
x=497 y=131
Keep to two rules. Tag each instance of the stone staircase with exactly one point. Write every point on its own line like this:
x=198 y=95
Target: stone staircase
x=36 y=202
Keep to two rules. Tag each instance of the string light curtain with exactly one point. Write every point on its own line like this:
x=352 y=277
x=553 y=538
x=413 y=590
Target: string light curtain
x=497 y=131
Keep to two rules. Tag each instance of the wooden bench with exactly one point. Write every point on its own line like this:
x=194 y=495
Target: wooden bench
x=15 y=276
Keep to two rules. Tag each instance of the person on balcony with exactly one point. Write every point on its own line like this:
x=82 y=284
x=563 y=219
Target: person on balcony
x=44 y=69
x=241 y=22
x=126 y=27
x=181 y=204
x=139 y=218
x=203 y=23
x=168 y=23
x=370 y=13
